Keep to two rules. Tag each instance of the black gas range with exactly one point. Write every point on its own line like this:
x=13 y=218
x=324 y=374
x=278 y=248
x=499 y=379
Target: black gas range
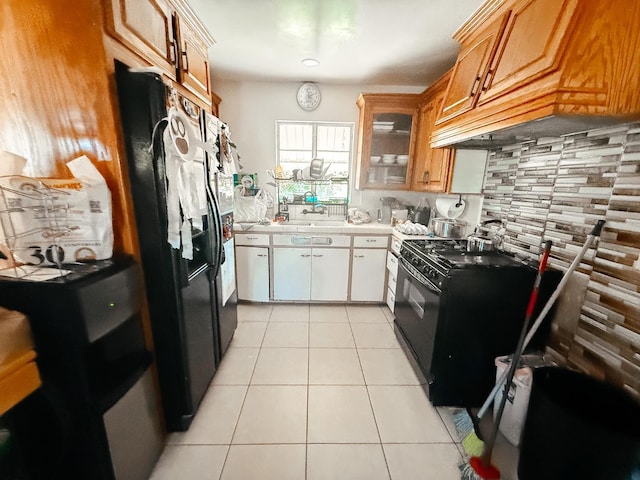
x=458 y=311
x=434 y=259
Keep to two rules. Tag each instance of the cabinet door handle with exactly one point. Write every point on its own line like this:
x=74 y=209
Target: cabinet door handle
x=487 y=80
x=393 y=260
x=473 y=91
x=359 y=256
x=318 y=256
x=369 y=240
x=173 y=53
x=185 y=58
x=252 y=238
x=305 y=255
x=425 y=177
x=262 y=255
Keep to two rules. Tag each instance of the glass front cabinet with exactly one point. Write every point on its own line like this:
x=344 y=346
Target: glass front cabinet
x=386 y=140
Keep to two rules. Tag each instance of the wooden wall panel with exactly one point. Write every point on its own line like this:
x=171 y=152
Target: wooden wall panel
x=54 y=94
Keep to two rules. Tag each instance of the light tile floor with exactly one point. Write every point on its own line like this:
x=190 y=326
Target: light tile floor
x=314 y=392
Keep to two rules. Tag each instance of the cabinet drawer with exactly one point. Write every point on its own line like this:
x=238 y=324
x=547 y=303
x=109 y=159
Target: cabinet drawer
x=391 y=299
x=371 y=242
x=396 y=245
x=289 y=240
x=252 y=239
x=312 y=240
x=391 y=281
x=392 y=263
x=331 y=240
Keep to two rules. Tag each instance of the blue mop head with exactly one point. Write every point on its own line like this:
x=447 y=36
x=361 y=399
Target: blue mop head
x=466 y=430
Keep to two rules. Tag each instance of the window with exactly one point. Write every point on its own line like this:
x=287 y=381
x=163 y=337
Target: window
x=297 y=143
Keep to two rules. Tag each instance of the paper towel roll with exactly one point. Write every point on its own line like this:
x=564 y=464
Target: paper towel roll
x=450 y=207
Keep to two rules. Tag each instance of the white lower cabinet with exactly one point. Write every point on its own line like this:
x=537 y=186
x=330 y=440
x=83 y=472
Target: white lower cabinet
x=368 y=275
x=330 y=274
x=310 y=274
x=291 y=273
x=252 y=273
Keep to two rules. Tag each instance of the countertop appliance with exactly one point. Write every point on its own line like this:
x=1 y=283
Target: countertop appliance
x=182 y=293
x=459 y=311
x=95 y=415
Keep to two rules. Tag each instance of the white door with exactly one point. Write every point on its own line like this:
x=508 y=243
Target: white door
x=253 y=273
x=291 y=273
x=329 y=274
x=367 y=275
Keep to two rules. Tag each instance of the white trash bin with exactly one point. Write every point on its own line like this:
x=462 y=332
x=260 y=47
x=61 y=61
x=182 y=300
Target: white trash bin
x=515 y=409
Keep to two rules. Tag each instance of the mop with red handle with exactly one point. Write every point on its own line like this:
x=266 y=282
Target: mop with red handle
x=591 y=238
x=482 y=465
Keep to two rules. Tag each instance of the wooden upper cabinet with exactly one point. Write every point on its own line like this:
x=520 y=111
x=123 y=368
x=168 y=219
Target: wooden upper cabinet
x=558 y=67
x=193 y=56
x=470 y=71
x=521 y=56
x=168 y=35
x=146 y=27
x=432 y=166
x=386 y=140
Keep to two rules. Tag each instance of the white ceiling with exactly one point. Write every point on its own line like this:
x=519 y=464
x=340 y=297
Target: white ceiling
x=385 y=42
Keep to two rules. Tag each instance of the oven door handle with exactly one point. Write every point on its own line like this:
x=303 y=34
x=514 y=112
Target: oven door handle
x=422 y=281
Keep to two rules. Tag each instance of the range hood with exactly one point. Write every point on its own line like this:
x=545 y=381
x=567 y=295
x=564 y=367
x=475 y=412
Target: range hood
x=551 y=126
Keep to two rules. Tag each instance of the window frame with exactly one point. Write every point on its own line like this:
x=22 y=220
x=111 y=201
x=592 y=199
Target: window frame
x=314 y=135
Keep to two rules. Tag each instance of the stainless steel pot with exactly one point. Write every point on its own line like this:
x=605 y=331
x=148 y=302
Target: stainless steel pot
x=478 y=243
x=447 y=228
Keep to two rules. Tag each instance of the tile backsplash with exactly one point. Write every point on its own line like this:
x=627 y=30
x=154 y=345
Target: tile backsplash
x=557 y=189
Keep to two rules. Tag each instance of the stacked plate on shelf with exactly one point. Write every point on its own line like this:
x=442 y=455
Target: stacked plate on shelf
x=394 y=179
x=383 y=126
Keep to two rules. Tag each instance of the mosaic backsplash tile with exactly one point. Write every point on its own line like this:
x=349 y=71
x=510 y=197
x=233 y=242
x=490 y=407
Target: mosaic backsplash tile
x=557 y=189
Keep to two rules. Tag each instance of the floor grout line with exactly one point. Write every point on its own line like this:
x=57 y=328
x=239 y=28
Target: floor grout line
x=308 y=384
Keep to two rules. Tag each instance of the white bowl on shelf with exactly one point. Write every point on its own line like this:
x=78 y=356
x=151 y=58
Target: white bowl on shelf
x=375 y=159
x=402 y=159
x=388 y=159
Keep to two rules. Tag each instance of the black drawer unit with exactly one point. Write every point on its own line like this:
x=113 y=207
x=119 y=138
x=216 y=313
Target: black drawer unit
x=91 y=351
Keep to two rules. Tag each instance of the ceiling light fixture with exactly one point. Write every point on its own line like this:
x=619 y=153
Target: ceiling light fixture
x=310 y=62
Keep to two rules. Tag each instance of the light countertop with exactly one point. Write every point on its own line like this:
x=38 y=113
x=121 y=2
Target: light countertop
x=324 y=227
x=372 y=228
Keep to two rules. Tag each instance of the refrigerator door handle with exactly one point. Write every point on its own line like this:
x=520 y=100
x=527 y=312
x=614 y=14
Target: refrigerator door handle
x=216 y=219
x=223 y=257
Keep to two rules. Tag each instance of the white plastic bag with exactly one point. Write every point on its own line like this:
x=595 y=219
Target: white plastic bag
x=249 y=208
x=47 y=221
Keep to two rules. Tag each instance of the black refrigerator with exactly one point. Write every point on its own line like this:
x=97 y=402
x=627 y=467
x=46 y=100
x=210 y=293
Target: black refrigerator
x=181 y=293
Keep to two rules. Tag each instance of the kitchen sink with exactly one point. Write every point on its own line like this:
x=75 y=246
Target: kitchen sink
x=317 y=223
